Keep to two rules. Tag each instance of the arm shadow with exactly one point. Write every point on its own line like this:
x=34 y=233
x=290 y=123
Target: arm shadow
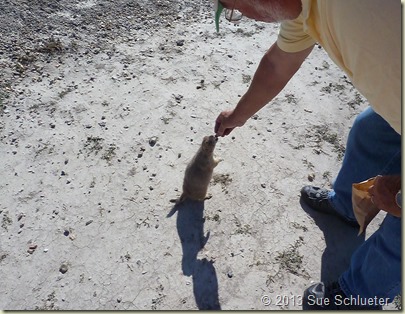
x=341 y=241
x=190 y=228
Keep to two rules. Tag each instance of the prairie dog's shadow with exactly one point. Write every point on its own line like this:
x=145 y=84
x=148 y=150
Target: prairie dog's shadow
x=341 y=241
x=190 y=228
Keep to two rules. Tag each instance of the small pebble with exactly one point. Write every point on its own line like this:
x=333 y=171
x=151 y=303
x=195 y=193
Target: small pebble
x=89 y=222
x=32 y=248
x=63 y=268
x=152 y=141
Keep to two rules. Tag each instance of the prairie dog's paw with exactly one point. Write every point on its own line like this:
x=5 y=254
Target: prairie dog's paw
x=217 y=160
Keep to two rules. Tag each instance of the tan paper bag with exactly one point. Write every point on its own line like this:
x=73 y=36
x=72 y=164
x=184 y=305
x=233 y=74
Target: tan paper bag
x=363 y=207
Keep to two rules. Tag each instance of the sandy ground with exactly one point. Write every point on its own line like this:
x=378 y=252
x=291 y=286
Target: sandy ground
x=102 y=106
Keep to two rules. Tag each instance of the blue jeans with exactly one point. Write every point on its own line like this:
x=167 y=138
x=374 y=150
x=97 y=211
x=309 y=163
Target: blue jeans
x=373 y=148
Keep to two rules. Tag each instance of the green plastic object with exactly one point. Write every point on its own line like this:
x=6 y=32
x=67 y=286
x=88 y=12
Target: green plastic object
x=220 y=8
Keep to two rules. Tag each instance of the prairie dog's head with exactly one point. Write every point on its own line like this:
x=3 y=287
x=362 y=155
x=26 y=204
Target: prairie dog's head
x=208 y=143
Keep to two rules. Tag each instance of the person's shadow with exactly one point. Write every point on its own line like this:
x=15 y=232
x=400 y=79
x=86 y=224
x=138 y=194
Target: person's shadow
x=190 y=227
x=341 y=241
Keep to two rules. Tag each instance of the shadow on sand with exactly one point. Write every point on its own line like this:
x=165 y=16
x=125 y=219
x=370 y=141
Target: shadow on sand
x=190 y=227
x=341 y=241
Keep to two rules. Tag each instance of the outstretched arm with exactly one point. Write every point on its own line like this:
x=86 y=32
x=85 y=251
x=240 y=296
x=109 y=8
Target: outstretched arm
x=275 y=70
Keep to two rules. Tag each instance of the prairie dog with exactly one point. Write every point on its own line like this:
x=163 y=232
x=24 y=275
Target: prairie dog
x=199 y=171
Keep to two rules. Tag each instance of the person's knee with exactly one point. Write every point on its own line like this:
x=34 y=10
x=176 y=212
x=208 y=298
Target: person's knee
x=361 y=126
x=369 y=124
x=364 y=119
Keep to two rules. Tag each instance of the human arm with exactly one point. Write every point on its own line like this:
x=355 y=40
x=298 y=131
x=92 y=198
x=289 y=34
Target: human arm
x=383 y=193
x=274 y=71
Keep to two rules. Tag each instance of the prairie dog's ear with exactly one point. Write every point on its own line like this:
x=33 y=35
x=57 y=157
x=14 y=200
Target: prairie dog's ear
x=205 y=139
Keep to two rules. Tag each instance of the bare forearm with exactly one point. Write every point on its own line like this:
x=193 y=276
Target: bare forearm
x=275 y=70
x=264 y=87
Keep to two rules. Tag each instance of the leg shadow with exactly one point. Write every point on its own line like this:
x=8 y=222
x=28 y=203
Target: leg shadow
x=205 y=285
x=190 y=228
x=341 y=241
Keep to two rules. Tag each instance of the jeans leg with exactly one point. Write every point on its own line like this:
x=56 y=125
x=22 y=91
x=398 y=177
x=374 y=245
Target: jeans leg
x=373 y=148
x=375 y=268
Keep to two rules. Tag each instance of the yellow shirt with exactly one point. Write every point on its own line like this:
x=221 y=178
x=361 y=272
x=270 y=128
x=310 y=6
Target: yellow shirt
x=363 y=37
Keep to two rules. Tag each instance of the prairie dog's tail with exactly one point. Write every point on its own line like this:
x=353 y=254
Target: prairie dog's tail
x=179 y=200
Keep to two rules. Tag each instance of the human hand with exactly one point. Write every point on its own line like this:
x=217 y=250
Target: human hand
x=384 y=191
x=226 y=122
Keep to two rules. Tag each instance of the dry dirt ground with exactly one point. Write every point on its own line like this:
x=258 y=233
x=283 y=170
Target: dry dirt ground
x=102 y=105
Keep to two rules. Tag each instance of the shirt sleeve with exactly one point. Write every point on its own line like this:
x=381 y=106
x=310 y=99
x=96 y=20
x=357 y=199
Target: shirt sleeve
x=292 y=37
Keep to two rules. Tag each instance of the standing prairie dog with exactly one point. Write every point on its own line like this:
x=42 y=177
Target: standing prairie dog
x=199 y=171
